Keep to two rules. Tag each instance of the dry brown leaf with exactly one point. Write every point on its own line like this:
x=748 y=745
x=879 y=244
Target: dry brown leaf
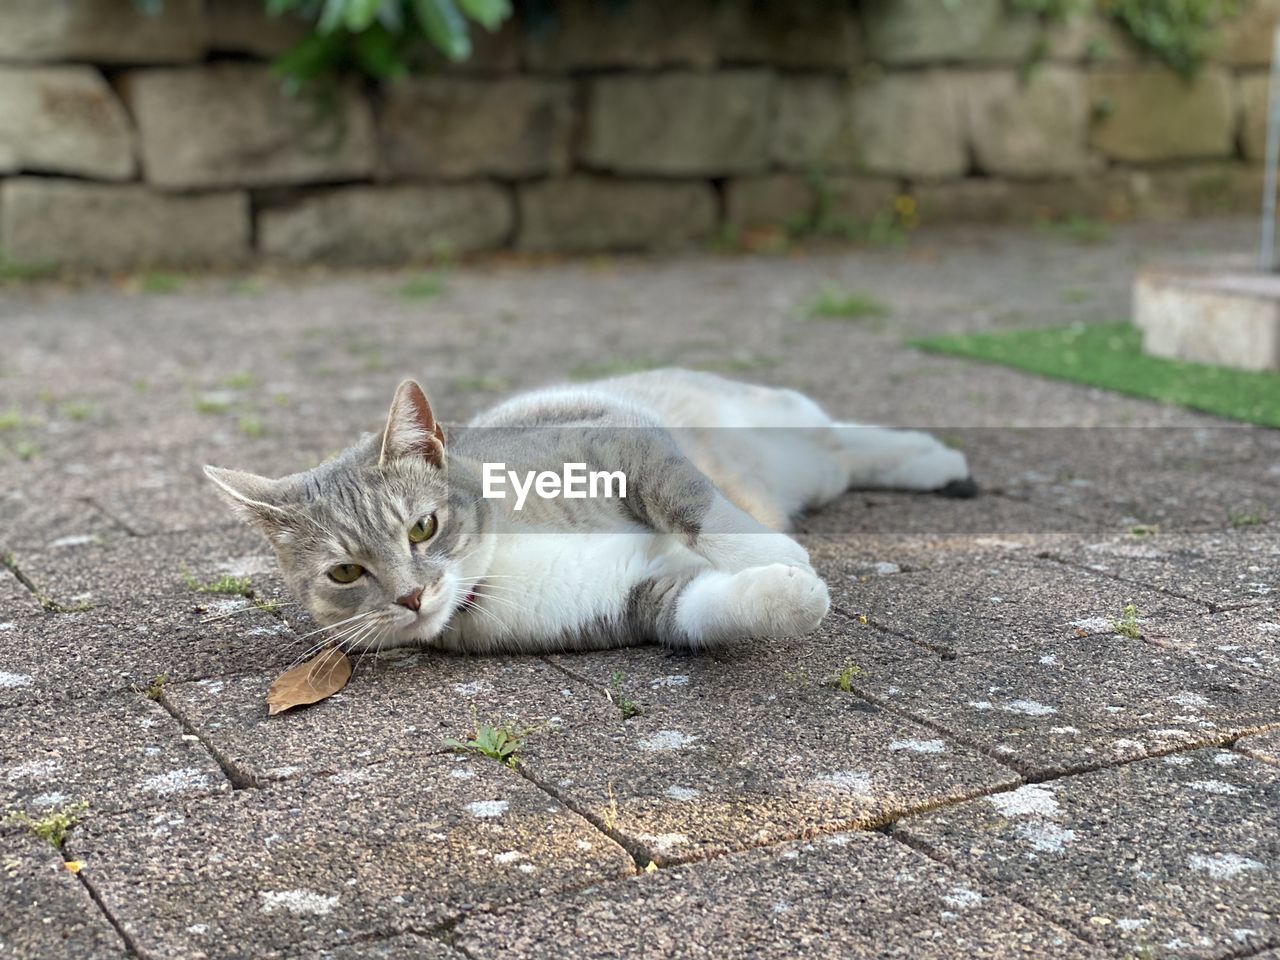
x=318 y=678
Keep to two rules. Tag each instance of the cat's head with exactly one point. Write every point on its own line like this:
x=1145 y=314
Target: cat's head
x=380 y=543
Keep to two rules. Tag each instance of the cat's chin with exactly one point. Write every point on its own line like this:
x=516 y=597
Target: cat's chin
x=423 y=628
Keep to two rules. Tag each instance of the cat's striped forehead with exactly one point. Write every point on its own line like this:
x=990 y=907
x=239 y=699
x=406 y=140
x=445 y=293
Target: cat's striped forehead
x=356 y=505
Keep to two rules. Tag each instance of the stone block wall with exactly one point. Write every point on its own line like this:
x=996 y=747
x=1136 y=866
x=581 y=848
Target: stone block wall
x=130 y=140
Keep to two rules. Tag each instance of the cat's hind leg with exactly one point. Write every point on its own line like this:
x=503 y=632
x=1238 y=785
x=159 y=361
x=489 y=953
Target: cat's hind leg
x=886 y=458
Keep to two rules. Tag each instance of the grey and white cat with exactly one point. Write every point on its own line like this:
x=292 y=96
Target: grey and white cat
x=392 y=543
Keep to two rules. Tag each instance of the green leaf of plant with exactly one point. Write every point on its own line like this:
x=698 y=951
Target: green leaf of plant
x=490 y=14
x=360 y=13
x=312 y=57
x=378 y=53
x=391 y=16
x=445 y=27
x=332 y=16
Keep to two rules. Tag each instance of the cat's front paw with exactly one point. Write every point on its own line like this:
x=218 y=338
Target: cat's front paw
x=780 y=600
x=776 y=600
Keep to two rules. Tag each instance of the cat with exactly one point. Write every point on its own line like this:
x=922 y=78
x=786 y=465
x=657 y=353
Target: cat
x=394 y=543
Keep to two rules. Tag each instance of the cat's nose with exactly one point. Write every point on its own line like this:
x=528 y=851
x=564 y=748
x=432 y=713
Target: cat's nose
x=412 y=600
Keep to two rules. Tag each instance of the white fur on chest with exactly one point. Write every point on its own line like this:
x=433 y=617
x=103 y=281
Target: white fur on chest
x=544 y=585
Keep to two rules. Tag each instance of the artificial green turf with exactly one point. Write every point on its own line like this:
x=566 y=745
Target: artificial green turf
x=1110 y=356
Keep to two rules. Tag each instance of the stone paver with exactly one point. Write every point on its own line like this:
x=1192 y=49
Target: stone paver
x=998 y=603
x=1248 y=639
x=844 y=895
x=399 y=845
x=989 y=654
x=109 y=755
x=743 y=749
x=1262 y=746
x=1077 y=703
x=712 y=764
x=1177 y=856
x=47 y=912
x=1221 y=570
x=403 y=946
x=1201 y=477
x=129 y=615
x=397 y=707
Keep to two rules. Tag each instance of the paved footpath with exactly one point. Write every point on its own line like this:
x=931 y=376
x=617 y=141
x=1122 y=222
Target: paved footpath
x=980 y=754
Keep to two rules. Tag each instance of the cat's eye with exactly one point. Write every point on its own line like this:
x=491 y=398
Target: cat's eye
x=346 y=573
x=423 y=530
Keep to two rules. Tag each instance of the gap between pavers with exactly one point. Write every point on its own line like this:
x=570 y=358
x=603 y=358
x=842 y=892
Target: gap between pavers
x=47 y=911
x=1176 y=853
x=133 y=614
x=992 y=602
x=1222 y=571
x=1262 y=746
x=119 y=753
x=1053 y=708
x=734 y=751
x=847 y=894
x=732 y=766
x=329 y=860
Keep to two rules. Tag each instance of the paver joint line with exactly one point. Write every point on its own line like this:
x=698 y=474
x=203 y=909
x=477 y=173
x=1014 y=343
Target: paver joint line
x=1210 y=607
x=131 y=948
x=238 y=779
x=1013 y=894
x=633 y=850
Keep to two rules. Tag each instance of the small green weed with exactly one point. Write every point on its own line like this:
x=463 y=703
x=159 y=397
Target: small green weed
x=225 y=584
x=626 y=706
x=211 y=405
x=425 y=287
x=248 y=286
x=1242 y=518
x=1077 y=229
x=479 y=384
x=1127 y=625
x=51 y=827
x=16 y=270
x=740 y=364
x=241 y=380
x=251 y=426
x=502 y=743
x=1140 y=530
x=835 y=304
x=46 y=602
x=843 y=681
x=26 y=450
x=156 y=687
x=10 y=420
x=77 y=410
x=160 y=283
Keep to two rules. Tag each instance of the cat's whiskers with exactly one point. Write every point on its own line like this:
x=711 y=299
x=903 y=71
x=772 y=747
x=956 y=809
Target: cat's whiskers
x=470 y=604
x=330 y=626
x=248 y=608
x=352 y=626
x=482 y=590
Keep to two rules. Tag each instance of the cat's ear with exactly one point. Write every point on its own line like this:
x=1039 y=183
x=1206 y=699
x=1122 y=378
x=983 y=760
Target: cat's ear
x=257 y=499
x=411 y=429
